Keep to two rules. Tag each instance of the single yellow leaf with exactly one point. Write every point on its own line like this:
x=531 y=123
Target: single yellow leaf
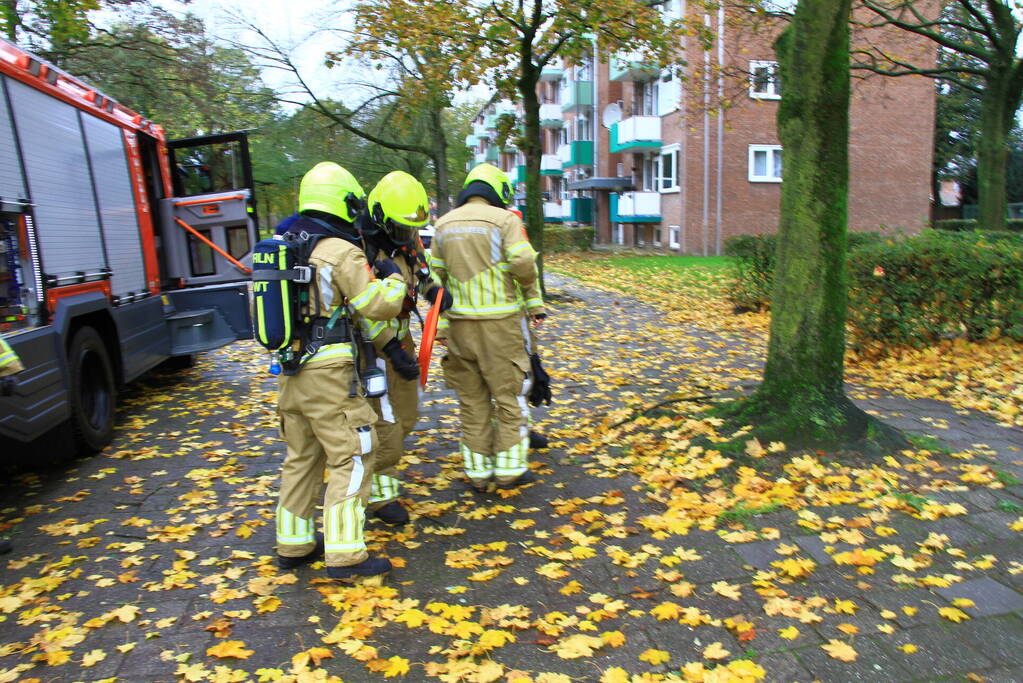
x=836 y=649
x=715 y=651
x=655 y=657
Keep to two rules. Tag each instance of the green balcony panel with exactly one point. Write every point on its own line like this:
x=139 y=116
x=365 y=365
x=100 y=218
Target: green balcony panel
x=580 y=153
x=578 y=95
x=492 y=154
x=580 y=210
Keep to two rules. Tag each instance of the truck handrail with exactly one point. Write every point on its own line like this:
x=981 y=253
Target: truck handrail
x=237 y=264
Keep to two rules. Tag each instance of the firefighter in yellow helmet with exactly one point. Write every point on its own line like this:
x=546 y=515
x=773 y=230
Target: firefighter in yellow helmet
x=481 y=255
x=328 y=427
x=396 y=209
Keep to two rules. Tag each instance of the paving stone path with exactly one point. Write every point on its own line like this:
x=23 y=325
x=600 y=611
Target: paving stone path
x=196 y=458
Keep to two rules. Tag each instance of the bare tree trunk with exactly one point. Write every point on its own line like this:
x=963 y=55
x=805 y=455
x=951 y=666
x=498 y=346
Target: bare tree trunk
x=993 y=155
x=440 y=161
x=802 y=398
x=533 y=152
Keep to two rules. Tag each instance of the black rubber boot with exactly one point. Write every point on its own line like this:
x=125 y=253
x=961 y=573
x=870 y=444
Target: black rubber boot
x=371 y=566
x=394 y=513
x=538 y=440
x=527 y=477
x=292 y=562
x=5 y=546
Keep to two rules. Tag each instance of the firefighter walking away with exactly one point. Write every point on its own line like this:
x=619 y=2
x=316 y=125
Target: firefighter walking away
x=481 y=255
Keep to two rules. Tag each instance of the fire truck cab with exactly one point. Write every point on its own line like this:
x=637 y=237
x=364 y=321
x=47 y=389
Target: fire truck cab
x=118 y=250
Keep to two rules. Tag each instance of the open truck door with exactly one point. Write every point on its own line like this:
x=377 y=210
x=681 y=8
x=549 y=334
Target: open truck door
x=208 y=228
x=209 y=225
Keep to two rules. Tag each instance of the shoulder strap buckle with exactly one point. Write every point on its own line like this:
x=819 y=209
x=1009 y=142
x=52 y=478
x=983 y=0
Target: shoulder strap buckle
x=303 y=274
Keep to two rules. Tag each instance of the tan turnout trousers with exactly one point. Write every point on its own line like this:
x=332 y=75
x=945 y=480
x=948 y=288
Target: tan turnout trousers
x=488 y=368
x=398 y=412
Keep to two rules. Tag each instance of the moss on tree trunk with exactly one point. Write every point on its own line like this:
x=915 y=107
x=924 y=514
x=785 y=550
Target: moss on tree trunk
x=801 y=398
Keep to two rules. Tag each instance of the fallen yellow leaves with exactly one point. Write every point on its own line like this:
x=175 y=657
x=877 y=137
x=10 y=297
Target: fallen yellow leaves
x=655 y=657
x=229 y=648
x=839 y=650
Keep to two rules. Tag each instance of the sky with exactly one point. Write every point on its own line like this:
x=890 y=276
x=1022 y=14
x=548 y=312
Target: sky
x=290 y=22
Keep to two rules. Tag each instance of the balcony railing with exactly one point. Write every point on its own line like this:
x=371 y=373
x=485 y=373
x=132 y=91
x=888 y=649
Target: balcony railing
x=577 y=96
x=626 y=66
x=518 y=175
x=480 y=130
x=550 y=164
x=552 y=72
x=479 y=157
x=577 y=210
x=636 y=133
x=493 y=153
x=577 y=153
x=504 y=107
x=471 y=140
x=636 y=207
x=550 y=116
x=552 y=212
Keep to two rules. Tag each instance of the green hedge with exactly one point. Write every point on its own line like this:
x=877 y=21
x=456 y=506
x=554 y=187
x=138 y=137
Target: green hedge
x=921 y=289
x=970 y=224
x=909 y=290
x=564 y=238
x=753 y=267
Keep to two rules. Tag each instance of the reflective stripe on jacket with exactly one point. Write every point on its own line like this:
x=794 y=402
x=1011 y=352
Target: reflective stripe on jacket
x=481 y=255
x=343 y=273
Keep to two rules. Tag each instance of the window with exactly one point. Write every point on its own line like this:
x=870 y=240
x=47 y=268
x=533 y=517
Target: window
x=649 y=173
x=238 y=241
x=200 y=256
x=644 y=101
x=668 y=93
x=582 y=128
x=673 y=237
x=667 y=169
x=765 y=163
x=584 y=70
x=764 y=82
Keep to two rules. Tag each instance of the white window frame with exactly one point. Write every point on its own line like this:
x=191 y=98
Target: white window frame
x=772 y=92
x=649 y=172
x=674 y=235
x=673 y=150
x=770 y=150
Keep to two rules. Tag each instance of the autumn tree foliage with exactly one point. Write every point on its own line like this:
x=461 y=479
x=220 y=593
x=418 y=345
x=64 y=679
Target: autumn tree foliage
x=507 y=43
x=978 y=44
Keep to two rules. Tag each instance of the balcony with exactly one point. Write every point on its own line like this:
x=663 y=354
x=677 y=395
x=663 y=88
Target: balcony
x=550 y=164
x=519 y=175
x=626 y=66
x=552 y=212
x=471 y=140
x=636 y=134
x=504 y=107
x=636 y=207
x=480 y=130
x=493 y=153
x=550 y=116
x=554 y=71
x=578 y=153
x=576 y=96
x=577 y=210
x=479 y=158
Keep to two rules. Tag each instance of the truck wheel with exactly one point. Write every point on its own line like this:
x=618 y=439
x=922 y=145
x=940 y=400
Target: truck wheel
x=93 y=394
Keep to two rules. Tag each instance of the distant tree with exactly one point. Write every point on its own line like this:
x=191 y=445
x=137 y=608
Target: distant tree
x=978 y=42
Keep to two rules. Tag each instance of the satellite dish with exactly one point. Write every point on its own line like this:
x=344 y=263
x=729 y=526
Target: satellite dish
x=612 y=115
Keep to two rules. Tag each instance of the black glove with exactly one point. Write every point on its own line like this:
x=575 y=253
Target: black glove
x=540 y=392
x=385 y=267
x=404 y=364
x=445 y=302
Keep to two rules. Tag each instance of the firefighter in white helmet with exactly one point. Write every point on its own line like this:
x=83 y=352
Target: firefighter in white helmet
x=326 y=427
x=396 y=209
x=482 y=256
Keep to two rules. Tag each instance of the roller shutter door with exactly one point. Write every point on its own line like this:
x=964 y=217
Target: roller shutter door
x=12 y=185
x=116 y=205
x=59 y=180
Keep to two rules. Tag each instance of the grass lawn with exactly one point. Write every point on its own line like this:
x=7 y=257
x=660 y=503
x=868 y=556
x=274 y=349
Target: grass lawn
x=664 y=262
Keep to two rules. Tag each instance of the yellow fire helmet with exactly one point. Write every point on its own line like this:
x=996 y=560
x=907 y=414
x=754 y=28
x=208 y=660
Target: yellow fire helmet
x=494 y=177
x=399 y=205
x=330 y=188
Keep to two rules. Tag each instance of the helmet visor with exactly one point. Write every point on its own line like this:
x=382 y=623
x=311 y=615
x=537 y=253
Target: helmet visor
x=401 y=233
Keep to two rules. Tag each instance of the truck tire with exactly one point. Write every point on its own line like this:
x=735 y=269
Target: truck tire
x=93 y=392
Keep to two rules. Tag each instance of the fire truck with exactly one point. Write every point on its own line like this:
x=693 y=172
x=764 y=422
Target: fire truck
x=119 y=250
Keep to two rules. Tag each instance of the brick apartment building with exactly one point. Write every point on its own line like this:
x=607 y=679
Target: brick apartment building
x=650 y=159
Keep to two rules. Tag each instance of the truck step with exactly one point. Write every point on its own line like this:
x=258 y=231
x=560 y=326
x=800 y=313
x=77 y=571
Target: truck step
x=198 y=329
